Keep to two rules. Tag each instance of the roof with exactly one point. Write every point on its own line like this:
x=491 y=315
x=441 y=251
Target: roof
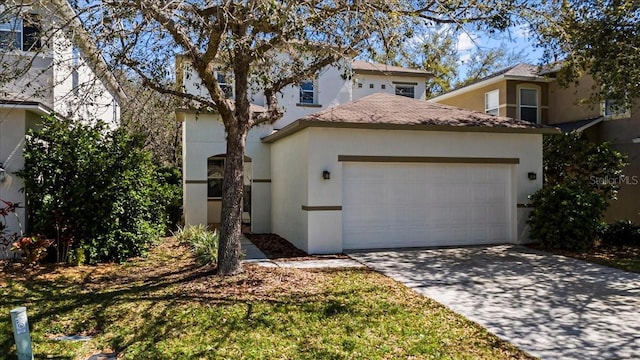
x=363 y=67
x=387 y=111
x=520 y=71
x=10 y=100
x=579 y=125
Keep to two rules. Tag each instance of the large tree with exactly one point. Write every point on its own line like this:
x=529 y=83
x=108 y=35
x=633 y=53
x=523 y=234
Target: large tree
x=600 y=38
x=266 y=44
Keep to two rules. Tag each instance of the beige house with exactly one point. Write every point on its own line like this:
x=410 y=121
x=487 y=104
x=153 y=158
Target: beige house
x=522 y=92
x=51 y=80
x=353 y=165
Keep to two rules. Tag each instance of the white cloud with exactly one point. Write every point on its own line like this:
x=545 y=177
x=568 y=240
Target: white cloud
x=522 y=31
x=466 y=42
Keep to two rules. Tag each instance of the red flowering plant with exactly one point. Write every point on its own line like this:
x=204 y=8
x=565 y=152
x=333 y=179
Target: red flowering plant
x=33 y=248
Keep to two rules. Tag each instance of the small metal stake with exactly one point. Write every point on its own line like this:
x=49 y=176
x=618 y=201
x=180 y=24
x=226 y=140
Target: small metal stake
x=21 y=333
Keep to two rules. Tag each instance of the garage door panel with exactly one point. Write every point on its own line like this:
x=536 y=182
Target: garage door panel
x=405 y=205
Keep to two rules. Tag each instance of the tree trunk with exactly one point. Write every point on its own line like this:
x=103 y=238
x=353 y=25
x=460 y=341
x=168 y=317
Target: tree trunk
x=229 y=250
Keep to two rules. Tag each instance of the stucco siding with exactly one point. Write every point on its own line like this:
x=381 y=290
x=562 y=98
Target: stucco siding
x=204 y=136
x=474 y=100
x=569 y=103
x=620 y=134
x=290 y=188
x=372 y=84
x=12 y=131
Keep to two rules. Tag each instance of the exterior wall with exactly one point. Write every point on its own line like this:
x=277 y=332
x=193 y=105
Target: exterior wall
x=474 y=100
x=331 y=90
x=620 y=133
x=323 y=229
x=204 y=136
x=389 y=82
x=290 y=170
x=13 y=125
x=565 y=103
x=90 y=100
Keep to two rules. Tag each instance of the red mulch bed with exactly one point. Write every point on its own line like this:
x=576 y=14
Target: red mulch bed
x=278 y=248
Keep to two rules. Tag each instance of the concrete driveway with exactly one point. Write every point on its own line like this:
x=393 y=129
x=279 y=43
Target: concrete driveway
x=552 y=307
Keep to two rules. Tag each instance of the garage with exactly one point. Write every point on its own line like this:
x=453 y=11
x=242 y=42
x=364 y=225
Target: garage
x=389 y=205
x=387 y=171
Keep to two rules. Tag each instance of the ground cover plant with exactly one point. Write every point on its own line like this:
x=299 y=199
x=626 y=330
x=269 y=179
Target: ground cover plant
x=166 y=306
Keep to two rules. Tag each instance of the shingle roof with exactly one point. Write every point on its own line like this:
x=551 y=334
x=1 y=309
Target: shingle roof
x=367 y=67
x=387 y=108
x=388 y=111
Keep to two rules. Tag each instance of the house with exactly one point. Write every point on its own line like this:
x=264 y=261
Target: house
x=365 y=162
x=40 y=78
x=524 y=92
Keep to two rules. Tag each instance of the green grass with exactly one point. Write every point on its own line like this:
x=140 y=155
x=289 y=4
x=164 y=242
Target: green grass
x=168 y=307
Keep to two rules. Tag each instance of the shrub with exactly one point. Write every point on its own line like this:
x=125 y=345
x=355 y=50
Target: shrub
x=567 y=211
x=622 y=232
x=32 y=249
x=566 y=216
x=94 y=186
x=202 y=242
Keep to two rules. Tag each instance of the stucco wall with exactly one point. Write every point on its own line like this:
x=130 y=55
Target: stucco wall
x=12 y=130
x=474 y=100
x=389 y=82
x=290 y=173
x=323 y=145
x=568 y=104
x=620 y=134
x=203 y=137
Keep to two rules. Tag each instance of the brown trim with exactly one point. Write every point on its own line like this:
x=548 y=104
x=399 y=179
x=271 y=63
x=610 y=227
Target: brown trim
x=321 y=208
x=404 y=83
x=524 y=206
x=428 y=159
x=302 y=124
x=196 y=181
x=261 y=180
x=393 y=72
x=309 y=105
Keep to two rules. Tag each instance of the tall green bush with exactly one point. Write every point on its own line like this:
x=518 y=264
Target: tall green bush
x=580 y=178
x=94 y=189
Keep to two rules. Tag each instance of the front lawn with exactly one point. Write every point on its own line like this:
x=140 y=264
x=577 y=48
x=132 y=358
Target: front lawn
x=166 y=307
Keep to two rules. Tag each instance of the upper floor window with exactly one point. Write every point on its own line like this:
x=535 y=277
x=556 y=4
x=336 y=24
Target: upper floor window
x=528 y=107
x=406 y=90
x=492 y=102
x=613 y=108
x=21 y=33
x=223 y=81
x=307 y=92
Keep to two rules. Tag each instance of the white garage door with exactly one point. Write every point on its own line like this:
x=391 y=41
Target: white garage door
x=389 y=205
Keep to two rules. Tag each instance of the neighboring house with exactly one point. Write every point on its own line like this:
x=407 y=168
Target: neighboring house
x=351 y=165
x=40 y=80
x=523 y=92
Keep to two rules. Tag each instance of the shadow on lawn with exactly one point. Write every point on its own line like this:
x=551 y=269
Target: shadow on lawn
x=140 y=306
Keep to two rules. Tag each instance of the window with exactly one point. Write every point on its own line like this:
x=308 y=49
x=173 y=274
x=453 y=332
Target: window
x=404 y=90
x=383 y=86
x=75 y=76
x=528 y=104
x=21 y=34
x=215 y=175
x=227 y=88
x=613 y=108
x=307 y=92
x=370 y=86
x=492 y=102
x=359 y=85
